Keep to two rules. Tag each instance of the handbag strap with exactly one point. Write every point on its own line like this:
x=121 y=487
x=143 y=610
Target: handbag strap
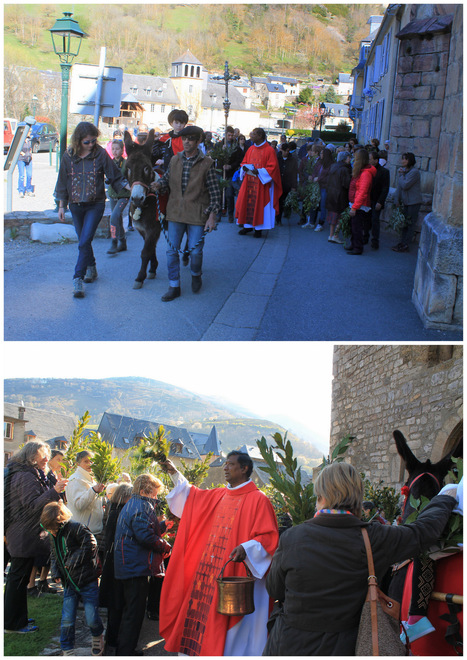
x=372 y=591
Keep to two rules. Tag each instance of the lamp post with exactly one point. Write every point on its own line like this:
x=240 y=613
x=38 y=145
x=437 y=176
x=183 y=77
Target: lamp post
x=323 y=113
x=66 y=39
x=34 y=102
x=226 y=77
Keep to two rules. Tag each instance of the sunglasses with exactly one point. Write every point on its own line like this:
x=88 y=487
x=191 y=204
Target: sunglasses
x=89 y=141
x=191 y=138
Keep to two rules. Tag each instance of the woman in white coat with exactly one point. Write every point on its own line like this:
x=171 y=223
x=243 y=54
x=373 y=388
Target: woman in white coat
x=82 y=494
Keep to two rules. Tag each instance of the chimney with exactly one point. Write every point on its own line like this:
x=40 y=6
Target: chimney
x=21 y=410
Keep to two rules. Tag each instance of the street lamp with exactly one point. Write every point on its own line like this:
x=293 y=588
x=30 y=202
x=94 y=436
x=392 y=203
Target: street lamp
x=323 y=113
x=34 y=102
x=66 y=39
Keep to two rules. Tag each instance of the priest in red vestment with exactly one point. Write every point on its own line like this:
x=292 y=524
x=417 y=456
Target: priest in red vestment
x=237 y=522
x=258 y=199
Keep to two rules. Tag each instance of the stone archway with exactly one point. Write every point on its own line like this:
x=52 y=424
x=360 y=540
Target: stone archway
x=448 y=442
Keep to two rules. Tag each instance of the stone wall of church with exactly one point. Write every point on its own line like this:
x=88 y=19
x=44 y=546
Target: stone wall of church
x=377 y=389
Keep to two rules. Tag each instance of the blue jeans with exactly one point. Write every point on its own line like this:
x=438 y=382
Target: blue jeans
x=24 y=169
x=175 y=233
x=322 y=207
x=90 y=597
x=86 y=217
x=116 y=219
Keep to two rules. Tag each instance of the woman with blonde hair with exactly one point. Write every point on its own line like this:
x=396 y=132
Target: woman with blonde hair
x=319 y=572
x=84 y=167
x=360 y=200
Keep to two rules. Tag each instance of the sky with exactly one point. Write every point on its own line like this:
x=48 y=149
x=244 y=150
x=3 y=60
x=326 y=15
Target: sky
x=286 y=382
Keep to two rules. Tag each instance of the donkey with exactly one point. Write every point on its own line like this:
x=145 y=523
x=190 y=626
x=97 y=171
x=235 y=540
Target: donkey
x=143 y=203
x=425 y=478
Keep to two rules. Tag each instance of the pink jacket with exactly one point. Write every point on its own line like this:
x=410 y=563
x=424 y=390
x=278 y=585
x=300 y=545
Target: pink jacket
x=360 y=188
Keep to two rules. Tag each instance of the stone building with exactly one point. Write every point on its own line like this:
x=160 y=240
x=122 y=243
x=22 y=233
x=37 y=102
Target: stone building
x=416 y=389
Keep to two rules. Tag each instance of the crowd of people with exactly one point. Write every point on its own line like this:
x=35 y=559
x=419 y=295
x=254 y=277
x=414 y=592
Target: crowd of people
x=249 y=183
x=107 y=546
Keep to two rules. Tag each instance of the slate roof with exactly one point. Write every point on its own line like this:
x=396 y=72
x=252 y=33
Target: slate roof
x=236 y=98
x=426 y=26
x=206 y=443
x=345 y=78
x=336 y=107
x=277 y=89
x=46 y=424
x=282 y=79
x=123 y=432
x=154 y=83
x=187 y=58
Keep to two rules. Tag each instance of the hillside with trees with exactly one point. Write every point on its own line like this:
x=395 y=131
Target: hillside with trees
x=151 y=400
x=145 y=38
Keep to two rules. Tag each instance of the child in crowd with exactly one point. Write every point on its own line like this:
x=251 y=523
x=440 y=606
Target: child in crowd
x=75 y=551
x=118 y=201
x=169 y=144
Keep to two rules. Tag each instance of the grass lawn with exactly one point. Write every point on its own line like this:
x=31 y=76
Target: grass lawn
x=46 y=610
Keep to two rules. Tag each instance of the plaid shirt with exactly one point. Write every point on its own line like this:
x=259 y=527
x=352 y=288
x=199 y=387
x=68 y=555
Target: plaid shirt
x=212 y=181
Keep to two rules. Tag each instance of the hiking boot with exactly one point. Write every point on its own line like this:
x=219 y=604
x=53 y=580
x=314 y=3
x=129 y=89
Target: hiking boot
x=78 y=288
x=196 y=283
x=172 y=293
x=245 y=230
x=91 y=274
x=69 y=652
x=121 y=245
x=113 y=247
x=97 y=646
x=33 y=591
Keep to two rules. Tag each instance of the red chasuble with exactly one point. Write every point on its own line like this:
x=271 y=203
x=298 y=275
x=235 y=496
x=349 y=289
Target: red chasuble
x=213 y=523
x=255 y=196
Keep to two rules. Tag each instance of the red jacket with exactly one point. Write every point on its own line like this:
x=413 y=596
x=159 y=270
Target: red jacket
x=360 y=188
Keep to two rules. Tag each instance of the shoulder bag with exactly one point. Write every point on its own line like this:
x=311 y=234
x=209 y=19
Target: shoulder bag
x=379 y=628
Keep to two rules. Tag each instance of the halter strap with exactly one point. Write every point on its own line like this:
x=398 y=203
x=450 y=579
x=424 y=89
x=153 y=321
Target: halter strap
x=407 y=495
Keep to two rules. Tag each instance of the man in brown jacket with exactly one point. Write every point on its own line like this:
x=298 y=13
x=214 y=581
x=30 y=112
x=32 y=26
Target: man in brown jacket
x=194 y=202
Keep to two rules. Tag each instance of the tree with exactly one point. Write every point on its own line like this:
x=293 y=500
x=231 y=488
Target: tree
x=105 y=468
x=306 y=95
x=77 y=444
x=197 y=472
x=292 y=496
x=329 y=96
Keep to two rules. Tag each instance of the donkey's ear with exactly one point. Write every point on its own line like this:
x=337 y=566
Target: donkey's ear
x=411 y=462
x=128 y=140
x=149 y=142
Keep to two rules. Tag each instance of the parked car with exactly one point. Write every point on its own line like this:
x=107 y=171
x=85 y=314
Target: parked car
x=9 y=128
x=43 y=136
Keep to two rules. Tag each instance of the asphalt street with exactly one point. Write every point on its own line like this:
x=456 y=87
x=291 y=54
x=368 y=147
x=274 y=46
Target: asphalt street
x=290 y=285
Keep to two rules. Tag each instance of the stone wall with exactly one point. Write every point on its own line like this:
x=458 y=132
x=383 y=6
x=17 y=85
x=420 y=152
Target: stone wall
x=438 y=285
x=377 y=389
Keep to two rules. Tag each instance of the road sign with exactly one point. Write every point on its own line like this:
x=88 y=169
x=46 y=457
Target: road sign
x=84 y=90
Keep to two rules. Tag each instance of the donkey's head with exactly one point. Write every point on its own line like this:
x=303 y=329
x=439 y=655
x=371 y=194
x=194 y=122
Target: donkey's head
x=138 y=168
x=424 y=478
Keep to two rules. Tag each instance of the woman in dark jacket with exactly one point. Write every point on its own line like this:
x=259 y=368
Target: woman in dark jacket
x=26 y=494
x=337 y=193
x=326 y=160
x=320 y=572
x=84 y=167
x=408 y=193
x=110 y=589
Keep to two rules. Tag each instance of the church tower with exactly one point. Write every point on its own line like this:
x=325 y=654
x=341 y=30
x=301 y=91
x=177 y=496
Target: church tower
x=189 y=77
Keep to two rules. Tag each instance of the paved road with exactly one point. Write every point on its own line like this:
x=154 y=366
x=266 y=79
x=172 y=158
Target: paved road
x=291 y=285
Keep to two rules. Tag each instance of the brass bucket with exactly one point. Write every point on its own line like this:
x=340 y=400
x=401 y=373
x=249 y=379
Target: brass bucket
x=235 y=593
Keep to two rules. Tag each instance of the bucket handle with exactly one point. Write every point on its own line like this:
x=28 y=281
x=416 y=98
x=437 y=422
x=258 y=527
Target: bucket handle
x=248 y=572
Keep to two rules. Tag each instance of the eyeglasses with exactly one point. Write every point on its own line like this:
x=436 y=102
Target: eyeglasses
x=93 y=141
x=191 y=138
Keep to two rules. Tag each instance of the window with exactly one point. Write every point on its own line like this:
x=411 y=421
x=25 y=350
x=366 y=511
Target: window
x=197 y=71
x=190 y=89
x=153 y=107
x=186 y=69
x=126 y=441
x=8 y=430
x=172 y=108
x=192 y=72
x=162 y=108
x=148 y=91
x=159 y=92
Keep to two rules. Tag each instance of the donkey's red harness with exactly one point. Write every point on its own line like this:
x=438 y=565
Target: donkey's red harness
x=409 y=488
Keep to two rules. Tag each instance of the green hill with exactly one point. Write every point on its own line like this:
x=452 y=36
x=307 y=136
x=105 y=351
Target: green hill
x=152 y=400
x=145 y=38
